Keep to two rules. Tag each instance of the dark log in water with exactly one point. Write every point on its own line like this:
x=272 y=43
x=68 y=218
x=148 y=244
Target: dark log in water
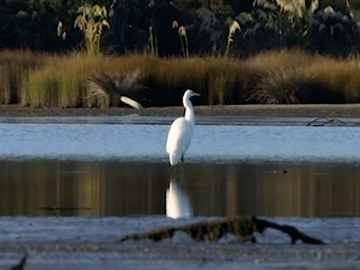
x=21 y=264
x=211 y=231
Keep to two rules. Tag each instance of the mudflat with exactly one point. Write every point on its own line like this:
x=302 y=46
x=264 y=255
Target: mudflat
x=92 y=243
x=313 y=110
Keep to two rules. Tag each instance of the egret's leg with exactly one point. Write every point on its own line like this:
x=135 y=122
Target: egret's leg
x=182 y=159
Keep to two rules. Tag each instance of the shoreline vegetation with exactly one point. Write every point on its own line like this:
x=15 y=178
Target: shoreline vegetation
x=39 y=80
x=249 y=53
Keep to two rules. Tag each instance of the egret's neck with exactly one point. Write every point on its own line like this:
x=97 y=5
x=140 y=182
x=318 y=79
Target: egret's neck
x=189 y=110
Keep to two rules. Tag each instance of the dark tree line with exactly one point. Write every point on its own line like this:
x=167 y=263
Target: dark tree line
x=328 y=27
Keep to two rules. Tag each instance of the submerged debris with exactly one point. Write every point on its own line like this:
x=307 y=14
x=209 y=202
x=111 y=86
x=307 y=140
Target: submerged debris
x=21 y=264
x=211 y=231
x=322 y=121
x=290 y=230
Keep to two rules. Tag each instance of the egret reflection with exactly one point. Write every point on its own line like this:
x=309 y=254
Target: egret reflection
x=178 y=203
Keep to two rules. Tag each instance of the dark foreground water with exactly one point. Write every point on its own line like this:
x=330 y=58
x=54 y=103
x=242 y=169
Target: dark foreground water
x=111 y=188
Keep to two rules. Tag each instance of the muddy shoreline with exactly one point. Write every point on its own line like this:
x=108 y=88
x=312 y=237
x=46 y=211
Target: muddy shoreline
x=91 y=243
x=318 y=110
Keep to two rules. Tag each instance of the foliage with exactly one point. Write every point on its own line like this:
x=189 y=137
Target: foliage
x=328 y=27
x=92 y=21
x=280 y=24
x=127 y=29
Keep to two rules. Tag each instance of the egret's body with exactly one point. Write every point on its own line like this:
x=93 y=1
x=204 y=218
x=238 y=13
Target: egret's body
x=181 y=131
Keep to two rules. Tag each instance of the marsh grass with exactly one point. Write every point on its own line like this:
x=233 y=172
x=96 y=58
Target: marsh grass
x=285 y=76
x=60 y=83
x=175 y=75
x=14 y=71
x=283 y=59
x=340 y=77
x=286 y=86
x=294 y=76
x=227 y=81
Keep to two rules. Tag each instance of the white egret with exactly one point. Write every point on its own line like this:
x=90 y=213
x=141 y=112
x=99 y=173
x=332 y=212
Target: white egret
x=181 y=131
x=178 y=204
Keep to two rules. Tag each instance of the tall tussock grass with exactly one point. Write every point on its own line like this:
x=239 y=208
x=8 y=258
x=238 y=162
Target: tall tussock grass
x=340 y=77
x=14 y=71
x=295 y=76
x=63 y=81
x=278 y=77
x=174 y=75
x=227 y=81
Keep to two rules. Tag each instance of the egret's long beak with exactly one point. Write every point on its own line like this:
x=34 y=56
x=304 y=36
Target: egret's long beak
x=196 y=94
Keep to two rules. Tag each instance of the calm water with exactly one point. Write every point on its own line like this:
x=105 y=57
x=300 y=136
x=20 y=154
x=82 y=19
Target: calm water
x=117 y=169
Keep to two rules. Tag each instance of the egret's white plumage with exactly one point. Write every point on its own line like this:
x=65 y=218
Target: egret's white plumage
x=181 y=131
x=178 y=203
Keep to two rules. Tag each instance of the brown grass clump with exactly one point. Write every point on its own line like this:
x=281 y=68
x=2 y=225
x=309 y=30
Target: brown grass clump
x=59 y=83
x=220 y=81
x=283 y=60
x=340 y=77
x=282 y=87
x=294 y=76
x=227 y=81
x=175 y=75
x=15 y=67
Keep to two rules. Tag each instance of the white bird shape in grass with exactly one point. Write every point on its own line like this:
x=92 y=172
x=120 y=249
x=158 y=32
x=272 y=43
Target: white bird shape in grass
x=128 y=87
x=181 y=131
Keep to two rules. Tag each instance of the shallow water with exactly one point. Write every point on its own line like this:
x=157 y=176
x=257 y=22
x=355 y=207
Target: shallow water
x=113 y=188
x=117 y=169
x=72 y=168
x=211 y=143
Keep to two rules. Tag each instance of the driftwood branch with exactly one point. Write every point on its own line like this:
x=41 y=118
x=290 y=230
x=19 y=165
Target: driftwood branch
x=291 y=231
x=21 y=264
x=323 y=121
x=211 y=231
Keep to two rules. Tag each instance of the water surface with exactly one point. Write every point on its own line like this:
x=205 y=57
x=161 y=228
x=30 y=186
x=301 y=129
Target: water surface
x=111 y=188
x=101 y=167
x=119 y=171
x=219 y=143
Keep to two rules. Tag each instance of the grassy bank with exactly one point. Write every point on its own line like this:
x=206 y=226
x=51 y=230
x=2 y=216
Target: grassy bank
x=278 y=77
